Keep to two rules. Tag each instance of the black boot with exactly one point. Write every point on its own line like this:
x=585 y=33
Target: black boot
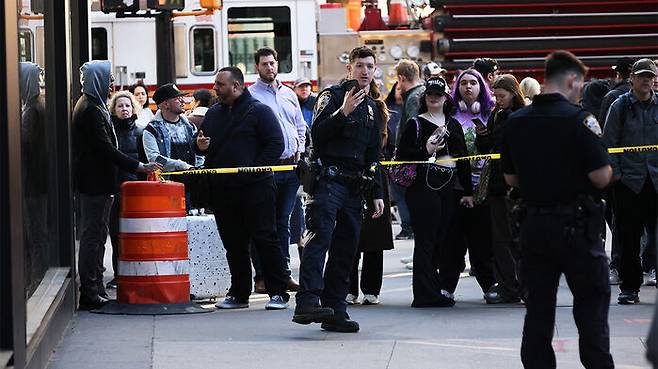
x=311 y=314
x=340 y=322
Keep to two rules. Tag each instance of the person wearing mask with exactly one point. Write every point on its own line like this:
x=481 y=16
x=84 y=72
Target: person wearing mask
x=346 y=144
x=124 y=110
x=96 y=160
x=306 y=98
x=488 y=68
x=240 y=131
x=141 y=94
x=434 y=134
x=470 y=228
x=283 y=102
x=411 y=88
x=530 y=88
x=561 y=213
x=509 y=98
x=631 y=121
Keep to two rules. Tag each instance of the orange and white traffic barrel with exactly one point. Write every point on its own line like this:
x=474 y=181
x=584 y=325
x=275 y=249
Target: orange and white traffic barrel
x=153 y=260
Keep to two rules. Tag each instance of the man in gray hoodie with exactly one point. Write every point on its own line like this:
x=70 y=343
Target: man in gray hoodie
x=96 y=159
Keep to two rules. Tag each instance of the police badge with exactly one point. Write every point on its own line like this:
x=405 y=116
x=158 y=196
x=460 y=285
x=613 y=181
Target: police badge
x=593 y=125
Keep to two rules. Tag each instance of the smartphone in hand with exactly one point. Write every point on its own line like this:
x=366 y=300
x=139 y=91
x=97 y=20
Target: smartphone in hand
x=352 y=84
x=161 y=160
x=478 y=124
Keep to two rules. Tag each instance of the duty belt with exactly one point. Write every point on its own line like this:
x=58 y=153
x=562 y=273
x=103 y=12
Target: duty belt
x=341 y=176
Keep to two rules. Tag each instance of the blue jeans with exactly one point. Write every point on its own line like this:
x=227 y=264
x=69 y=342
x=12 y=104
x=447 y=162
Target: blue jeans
x=398 y=193
x=333 y=225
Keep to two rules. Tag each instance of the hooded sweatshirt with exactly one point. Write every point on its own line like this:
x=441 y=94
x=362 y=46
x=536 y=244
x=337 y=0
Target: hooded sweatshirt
x=33 y=131
x=95 y=147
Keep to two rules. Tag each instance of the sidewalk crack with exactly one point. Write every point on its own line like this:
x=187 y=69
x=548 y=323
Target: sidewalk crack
x=390 y=357
x=153 y=344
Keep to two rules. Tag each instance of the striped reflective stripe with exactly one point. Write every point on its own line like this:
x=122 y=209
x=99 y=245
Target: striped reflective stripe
x=154 y=268
x=153 y=225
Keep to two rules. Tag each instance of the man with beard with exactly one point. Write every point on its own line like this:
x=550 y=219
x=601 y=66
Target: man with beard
x=240 y=131
x=283 y=102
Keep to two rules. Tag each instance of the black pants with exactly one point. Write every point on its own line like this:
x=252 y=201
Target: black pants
x=372 y=271
x=430 y=212
x=634 y=212
x=470 y=229
x=548 y=249
x=95 y=216
x=248 y=213
x=505 y=251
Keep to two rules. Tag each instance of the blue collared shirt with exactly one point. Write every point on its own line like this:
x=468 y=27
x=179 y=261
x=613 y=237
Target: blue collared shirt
x=283 y=102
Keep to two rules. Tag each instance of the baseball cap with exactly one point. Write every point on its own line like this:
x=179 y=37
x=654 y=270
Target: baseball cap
x=437 y=84
x=624 y=65
x=166 y=92
x=302 y=81
x=432 y=69
x=644 y=66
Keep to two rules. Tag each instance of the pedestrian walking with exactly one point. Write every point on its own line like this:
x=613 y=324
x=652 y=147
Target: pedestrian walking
x=240 y=131
x=553 y=152
x=346 y=144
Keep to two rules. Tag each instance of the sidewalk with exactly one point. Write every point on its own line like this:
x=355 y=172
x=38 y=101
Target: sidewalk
x=392 y=336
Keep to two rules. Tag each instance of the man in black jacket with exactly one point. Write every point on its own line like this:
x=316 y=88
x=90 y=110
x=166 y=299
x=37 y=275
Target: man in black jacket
x=240 y=131
x=95 y=159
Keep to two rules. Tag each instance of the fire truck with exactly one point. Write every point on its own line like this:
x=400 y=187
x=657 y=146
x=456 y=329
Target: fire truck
x=313 y=45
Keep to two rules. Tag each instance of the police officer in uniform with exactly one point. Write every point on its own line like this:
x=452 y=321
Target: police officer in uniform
x=553 y=152
x=346 y=144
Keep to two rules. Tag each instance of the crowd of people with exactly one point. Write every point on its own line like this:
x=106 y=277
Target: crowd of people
x=448 y=209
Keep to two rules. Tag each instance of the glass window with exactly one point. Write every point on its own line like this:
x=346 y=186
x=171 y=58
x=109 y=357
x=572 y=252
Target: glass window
x=25 y=46
x=99 y=44
x=203 y=52
x=252 y=28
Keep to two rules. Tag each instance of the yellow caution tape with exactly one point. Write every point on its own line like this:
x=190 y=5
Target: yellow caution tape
x=287 y=168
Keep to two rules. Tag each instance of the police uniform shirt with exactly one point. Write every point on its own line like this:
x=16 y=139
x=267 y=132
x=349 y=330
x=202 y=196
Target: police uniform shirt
x=552 y=145
x=350 y=143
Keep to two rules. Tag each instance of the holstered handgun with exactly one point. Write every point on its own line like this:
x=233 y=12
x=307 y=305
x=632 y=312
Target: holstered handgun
x=308 y=172
x=591 y=214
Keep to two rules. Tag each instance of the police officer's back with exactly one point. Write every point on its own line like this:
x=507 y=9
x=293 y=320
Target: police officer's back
x=346 y=144
x=553 y=152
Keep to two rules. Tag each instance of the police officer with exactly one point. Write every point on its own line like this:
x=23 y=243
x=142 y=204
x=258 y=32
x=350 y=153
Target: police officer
x=553 y=152
x=346 y=142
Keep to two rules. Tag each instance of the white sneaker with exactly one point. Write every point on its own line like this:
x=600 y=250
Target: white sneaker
x=406 y=259
x=409 y=266
x=276 y=303
x=351 y=299
x=370 y=300
x=652 y=278
x=613 y=278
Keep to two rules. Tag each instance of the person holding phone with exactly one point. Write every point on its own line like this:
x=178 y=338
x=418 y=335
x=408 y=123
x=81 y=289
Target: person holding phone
x=346 y=145
x=434 y=134
x=509 y=98
x=470 y=227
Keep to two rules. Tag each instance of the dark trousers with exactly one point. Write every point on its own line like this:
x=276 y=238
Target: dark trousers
x=95 y=216
x=245 y=214
x=505 y=251
x=114 y=232
x=372 y=272
x=333 y=225
x=287 y=185
x=297 y=225
x=634 y=212
x=551 y=246
x=398 y=193
x=431 y=212
x=470 y=229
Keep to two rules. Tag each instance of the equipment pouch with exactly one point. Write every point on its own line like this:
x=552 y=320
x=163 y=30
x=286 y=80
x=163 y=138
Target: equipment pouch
x=307 y=171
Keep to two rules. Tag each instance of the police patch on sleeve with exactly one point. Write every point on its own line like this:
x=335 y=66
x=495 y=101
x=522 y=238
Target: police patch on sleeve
x=323 y=100
x=593 y=125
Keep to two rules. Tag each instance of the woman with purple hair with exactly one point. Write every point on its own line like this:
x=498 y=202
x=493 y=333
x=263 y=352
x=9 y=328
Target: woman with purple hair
x=470 y=226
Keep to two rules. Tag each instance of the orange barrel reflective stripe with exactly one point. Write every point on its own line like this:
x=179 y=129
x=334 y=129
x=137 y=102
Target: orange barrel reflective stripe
x=153 y=259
